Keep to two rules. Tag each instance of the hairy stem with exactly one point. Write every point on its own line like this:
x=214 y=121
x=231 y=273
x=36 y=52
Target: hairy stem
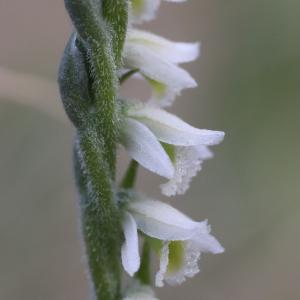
x=99 y=216
x=88 y=83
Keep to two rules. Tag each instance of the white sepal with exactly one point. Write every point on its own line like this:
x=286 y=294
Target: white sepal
x=130 y=248
x=143 y=146
x=161 y=221
x=170 y=129
x=174 y=52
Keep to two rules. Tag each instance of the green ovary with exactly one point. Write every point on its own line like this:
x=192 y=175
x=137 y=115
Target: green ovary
x=176 y=256
x=170 y=150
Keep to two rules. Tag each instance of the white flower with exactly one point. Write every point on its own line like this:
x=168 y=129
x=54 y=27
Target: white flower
x=179 y=259
x=181 y=152
x=144 y=10
x=138 y=291
x=182 y=238
x=157 y=60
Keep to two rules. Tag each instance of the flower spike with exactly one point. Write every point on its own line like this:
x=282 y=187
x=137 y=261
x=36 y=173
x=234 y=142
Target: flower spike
x=104 y=51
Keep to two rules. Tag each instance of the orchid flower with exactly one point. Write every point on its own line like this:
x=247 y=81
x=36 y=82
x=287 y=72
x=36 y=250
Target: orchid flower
x=166 y=145
x=157 y=60
x=182 y=239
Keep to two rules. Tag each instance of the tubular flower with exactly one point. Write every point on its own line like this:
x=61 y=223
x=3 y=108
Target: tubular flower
x=182 y=239
x=166 y=145
x=157 y=60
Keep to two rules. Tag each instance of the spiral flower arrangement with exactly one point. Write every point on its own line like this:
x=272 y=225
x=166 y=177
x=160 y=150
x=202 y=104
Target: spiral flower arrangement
x=105 y=50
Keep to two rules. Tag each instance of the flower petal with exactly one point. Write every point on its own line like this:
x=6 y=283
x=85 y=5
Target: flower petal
x=205 y=241
x=204 y=152
x=143 y=146
x=157 y=69
x=161 y=221
x=130 y=248
x=170 y=129
x=173 y=52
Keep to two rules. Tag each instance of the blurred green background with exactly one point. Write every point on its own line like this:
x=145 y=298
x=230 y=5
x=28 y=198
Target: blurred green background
x=249 y=87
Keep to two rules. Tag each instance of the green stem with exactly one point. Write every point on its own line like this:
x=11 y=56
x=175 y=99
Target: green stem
x=99 y=216
x=102 y=26
x=144 y=273
x=130 y=175
x=115 y=13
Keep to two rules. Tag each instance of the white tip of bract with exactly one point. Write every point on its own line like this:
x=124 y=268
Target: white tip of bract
x=179 y=259
x=130 y=249
x=170 y=129
x=143 y=10
x=161 y=221
x=139 y=292
x=173 y=52
x=167 y=79
x=143 y=146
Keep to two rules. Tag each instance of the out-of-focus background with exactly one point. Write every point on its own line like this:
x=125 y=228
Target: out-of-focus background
x=249 y=87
